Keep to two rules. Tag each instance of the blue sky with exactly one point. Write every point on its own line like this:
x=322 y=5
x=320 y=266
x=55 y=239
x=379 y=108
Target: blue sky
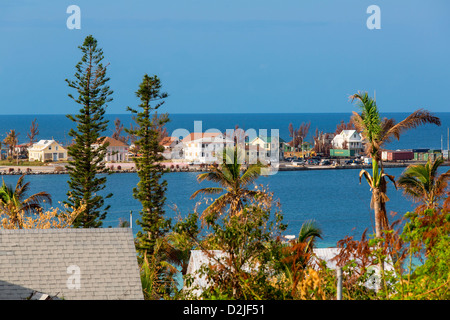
x=217 y=56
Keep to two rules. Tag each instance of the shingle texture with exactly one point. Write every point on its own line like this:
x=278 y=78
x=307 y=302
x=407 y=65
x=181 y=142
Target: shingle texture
x=71 y=264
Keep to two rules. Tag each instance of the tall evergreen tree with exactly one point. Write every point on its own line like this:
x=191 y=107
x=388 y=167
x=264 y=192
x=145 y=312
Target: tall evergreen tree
x=150 y=190
x=86 y=169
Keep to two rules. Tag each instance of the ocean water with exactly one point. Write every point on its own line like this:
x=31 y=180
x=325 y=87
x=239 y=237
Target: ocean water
x=333 y=198
x=58 y=126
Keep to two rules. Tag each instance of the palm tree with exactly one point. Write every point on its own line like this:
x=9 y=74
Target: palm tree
x=234 y=181
x=13 y=201
x=376 y=132
x=11 y=140
x=423 y=184
x=299 y=252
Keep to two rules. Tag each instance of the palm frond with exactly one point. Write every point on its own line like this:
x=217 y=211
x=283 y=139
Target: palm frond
x=217 y=207
x=207 y=191
x=215 y=175
x=357 y=121
x=309 y=229
x=386 y=125
x=415 y=119
x=421 y=183
x=252 y=173
x=390 y=177
x=368 y=177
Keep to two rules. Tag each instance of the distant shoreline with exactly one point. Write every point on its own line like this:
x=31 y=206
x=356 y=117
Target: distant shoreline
x=284 y=166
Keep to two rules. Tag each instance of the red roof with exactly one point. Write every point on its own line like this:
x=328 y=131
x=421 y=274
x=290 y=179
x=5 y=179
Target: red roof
x=167 y=141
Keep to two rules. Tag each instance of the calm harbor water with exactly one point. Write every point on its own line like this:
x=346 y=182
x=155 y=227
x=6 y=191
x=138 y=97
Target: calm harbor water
x=334 y=198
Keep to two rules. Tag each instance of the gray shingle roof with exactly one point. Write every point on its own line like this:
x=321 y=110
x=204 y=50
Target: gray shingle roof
x=52 y=261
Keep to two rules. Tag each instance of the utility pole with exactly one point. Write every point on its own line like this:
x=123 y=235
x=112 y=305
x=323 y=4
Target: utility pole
x=131 y=219
x=339 y=283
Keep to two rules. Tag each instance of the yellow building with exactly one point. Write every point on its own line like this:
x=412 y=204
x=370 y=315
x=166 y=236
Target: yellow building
x=47 y=150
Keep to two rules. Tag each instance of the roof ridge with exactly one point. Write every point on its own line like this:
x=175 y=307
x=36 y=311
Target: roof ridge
x=67 y=230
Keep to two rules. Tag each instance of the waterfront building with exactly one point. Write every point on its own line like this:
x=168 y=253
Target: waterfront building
x=47 y=150
x=350 y=140
x=116 y=151
x=204 y=147
x=173 y=148
x=270 y=148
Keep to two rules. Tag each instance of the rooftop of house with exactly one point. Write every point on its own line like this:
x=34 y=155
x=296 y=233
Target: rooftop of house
x=167 y=141
x=268 y=139
x=350 y=135
x=112 y=142
x=202 y=135
x=70 y=264
x=42 y=144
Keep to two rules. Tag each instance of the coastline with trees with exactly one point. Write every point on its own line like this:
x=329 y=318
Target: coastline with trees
x=241 y=230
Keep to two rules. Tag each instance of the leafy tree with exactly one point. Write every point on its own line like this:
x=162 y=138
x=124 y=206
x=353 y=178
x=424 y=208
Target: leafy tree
x=14 y=202
x=87 y=169
x=53 y=218
x=249 y=249
x=150 y=190
x=234 y=182
x=426 y=236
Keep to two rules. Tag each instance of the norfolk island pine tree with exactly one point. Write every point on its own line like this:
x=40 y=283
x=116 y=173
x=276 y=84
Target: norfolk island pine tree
x=150 y=190
x=87 y=162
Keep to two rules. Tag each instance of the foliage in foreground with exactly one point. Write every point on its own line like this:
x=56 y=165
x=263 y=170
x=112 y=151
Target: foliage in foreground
x=251 y=250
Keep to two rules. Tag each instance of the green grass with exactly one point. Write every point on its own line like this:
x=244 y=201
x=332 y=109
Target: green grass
x=21 y=163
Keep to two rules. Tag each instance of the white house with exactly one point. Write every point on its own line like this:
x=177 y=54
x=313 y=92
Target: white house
x=204 y=147
x=47 y=150
x=116 y=151
x=270 y=148
x=253 y=153
x=348 y=139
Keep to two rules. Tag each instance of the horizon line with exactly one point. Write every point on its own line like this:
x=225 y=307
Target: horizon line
x=209 y=113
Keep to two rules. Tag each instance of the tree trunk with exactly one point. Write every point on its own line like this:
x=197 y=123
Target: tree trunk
x=378 y=211
x=377 y=206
